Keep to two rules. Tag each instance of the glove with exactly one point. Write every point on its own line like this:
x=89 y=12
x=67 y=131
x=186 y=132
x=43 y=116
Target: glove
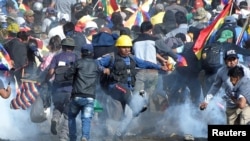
x=208 y=98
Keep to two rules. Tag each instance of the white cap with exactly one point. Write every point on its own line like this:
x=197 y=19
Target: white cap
x=3 y=18
x=64 y=16
x=244 y=13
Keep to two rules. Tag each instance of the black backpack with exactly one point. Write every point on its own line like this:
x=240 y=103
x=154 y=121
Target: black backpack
x=106 y=79
x=59 y=74
x=212 y=57
x=230 y=27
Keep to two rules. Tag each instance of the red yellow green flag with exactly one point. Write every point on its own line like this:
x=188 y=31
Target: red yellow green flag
x=110 y=6
x=206 y=32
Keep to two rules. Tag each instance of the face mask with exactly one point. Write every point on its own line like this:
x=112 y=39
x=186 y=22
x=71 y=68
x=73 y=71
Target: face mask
x=180 y=49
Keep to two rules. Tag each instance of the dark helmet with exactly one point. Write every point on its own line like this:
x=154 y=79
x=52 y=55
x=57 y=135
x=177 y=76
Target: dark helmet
x=230 y=20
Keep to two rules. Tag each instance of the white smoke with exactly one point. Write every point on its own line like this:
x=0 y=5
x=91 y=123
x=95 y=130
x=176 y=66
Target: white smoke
x=15 y=124
x=189 y=119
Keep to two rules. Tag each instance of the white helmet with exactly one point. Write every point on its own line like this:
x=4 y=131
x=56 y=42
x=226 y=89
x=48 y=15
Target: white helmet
x=20 y=20
x=91 y=25
x=37 y=6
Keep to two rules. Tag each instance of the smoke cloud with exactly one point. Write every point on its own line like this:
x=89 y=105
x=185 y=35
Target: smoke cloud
x=15 y=124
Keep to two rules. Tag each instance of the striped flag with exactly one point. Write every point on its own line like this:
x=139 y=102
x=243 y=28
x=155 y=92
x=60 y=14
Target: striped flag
x=140 y=15
x=5 y=61
x=130 y=22
x=23 y=8
x=26 y=95
x=114 y=5
x=110 y=6
x=181 y=61
x=206 y=32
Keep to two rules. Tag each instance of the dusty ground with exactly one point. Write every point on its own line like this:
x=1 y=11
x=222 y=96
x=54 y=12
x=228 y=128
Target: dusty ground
x=48 y=137
x=145 y=132
x=170 y=125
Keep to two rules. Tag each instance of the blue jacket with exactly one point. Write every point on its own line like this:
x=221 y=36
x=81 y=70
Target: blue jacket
x=242 y=88
x=122 y=69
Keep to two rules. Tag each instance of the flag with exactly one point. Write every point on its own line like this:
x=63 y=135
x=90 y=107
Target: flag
x=181 y=61
x=23 y=7
x=140 y=15
x=109 y=6
x=130 y=22
x=114 y=5
x=206 y=32
x=26 y=95
x=5 y=61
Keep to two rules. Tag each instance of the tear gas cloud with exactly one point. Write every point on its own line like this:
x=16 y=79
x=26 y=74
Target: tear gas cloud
x=15 y=124
x=189 y=119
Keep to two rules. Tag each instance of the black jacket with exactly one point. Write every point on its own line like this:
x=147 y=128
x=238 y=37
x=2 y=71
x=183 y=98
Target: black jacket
x=193 y=63
x=85 y=75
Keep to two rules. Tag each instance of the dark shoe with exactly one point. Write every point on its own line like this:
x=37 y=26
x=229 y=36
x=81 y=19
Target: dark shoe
x=142 y=93
x=53 y=127
x=144 y=108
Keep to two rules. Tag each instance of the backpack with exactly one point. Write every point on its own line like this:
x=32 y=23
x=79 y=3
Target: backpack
x=59 y=74
x=106 y=79
x=212 y=57
x=226 y=27
x=54 y=23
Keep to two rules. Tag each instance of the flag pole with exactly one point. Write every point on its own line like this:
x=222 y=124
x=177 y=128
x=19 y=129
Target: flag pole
x=231 y=8
x=96 y=4
x=243 y=30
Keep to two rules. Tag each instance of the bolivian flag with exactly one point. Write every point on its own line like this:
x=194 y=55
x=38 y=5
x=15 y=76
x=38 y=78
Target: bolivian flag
x=206 y=32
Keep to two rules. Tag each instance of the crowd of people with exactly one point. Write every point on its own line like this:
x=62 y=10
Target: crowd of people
x=86 y=55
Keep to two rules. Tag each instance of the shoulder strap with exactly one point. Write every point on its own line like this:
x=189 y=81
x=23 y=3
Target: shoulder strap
x=131 y=56
x=112 y=60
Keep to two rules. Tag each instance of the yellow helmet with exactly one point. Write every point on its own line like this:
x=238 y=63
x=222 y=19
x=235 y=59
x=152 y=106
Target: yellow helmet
x=124 y=41
x=13 y=27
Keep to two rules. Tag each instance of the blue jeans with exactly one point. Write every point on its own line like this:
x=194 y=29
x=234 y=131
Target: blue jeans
x=86 y=106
